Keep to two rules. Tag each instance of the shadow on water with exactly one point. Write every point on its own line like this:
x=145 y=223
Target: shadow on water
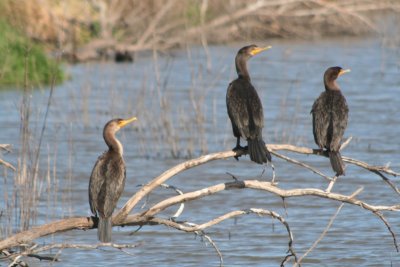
x=182 y=114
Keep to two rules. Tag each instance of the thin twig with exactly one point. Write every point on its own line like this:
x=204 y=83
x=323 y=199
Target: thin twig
x=177 y=190
x=8 y=165
x=314 y=170
x=200 y=227
x=322 y=234
x=326 y=228
x=33 y=251
x=203 y=234
x=331 y=184
x=380 y=215
x=345 y=143
x=181 y=206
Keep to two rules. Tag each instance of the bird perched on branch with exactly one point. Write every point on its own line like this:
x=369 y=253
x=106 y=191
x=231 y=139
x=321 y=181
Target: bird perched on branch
x=107 y=180
x=330 y=115
x=245 y=109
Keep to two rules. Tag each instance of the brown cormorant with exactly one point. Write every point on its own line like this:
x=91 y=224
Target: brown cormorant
x=330 y=115
x=245 y=108
x=107 y=180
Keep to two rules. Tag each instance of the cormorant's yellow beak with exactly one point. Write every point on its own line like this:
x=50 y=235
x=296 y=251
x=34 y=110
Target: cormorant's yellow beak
x=342 y=71
x=123 y=123
x=258 y=50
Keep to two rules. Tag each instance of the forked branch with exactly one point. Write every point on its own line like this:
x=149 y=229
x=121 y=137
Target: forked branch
x=148 y=217
x=145 y=190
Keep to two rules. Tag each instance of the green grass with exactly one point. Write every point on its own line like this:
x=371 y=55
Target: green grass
x=20 y=58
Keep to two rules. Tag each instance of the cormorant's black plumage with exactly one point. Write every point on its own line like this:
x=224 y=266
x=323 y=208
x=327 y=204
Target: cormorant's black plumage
x=107 y=180
x=330 y=115
x=245 y=108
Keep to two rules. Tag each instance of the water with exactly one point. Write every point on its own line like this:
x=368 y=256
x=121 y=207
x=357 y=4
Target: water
x=180 y=104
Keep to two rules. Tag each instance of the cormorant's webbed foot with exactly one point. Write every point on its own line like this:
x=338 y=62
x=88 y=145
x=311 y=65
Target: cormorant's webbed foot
x=238 y=148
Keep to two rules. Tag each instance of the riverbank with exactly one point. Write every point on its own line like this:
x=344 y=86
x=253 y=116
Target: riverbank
x=96 y=30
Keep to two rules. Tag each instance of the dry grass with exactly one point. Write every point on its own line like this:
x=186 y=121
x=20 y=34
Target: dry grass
x=93 y=29
x=31 y=181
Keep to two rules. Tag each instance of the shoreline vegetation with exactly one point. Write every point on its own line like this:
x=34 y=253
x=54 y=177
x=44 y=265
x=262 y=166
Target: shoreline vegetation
x=116 y=30
x=24 y=62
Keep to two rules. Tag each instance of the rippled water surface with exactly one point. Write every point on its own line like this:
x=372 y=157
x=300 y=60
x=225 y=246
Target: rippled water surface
x=179 y=99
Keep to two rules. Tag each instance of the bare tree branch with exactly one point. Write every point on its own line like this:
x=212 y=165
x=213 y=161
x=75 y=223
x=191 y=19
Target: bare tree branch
x=147 y=217
x=25 y=237
x=196 y=227
x=265 y=186
x=314 y=170
x=124 y=211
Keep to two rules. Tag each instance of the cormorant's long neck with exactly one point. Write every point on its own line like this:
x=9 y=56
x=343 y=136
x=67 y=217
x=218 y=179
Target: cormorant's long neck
x=113 y=143
x=241 y=67
x=331 y=85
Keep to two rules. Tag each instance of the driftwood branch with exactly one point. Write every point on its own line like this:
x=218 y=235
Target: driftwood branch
x=264 y=186
x=122 y=213
x=261 y=212
x=148 y=217
x=25 y=238
x=379 y=170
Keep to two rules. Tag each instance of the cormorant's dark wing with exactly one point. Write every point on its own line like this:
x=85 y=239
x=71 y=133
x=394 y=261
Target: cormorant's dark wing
x=320 y=118
x=111 y=190
x=95 y=183
x=339 y=120
x=237 y=109
x=244 y=109
x=256 y=114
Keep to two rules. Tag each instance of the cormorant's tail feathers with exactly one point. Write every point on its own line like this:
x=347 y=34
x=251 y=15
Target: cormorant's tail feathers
x=104 y=229
x=337 y=162
x=258 y=151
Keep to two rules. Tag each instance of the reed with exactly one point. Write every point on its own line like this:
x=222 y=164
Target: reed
x=24 y=188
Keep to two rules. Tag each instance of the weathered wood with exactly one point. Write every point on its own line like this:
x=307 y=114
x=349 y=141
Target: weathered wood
x=26 y=237
x=122 y=217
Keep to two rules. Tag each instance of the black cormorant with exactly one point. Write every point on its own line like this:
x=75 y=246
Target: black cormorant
x=107 y=180
x=330 y=115
x=245 y=108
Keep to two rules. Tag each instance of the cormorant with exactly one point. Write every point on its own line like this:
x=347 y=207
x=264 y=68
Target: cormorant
x=245 y=108
x=330 y=115
x=107 y=180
